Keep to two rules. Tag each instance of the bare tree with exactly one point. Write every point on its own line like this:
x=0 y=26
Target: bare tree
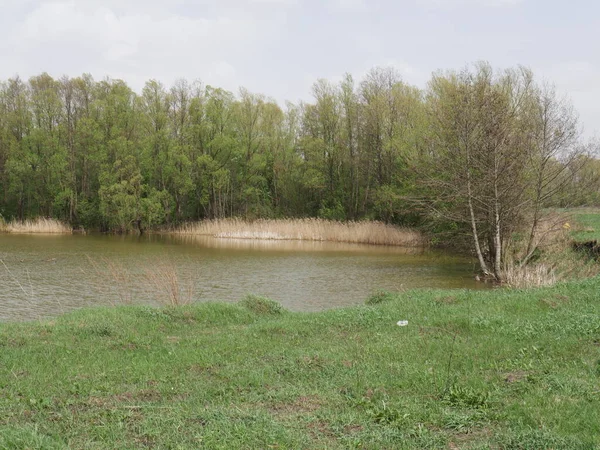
x=501 y=148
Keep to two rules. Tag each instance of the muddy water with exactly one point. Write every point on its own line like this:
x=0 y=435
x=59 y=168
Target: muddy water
x=42 y=276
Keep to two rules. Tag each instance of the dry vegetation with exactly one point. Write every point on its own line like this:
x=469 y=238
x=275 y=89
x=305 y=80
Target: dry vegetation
x=536 y=275
x=127 y=285
x=555 y=260
x=40 y=225
x=169 y=288
x=375 y=233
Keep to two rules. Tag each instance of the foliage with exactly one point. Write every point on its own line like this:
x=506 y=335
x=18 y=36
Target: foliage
x=98 y=155
x=502 y=149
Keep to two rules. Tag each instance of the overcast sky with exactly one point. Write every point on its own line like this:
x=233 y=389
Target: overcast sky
x=281 y=47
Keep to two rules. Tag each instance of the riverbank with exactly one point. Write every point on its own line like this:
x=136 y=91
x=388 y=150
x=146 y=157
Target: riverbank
x=496 y=369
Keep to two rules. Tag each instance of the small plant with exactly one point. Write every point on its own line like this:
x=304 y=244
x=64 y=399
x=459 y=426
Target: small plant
x=164 y=278
x=379 y=297
x=467 y=396
x=383 y=413
x=261 y=305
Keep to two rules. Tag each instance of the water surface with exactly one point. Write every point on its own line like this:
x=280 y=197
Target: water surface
x=42 y=276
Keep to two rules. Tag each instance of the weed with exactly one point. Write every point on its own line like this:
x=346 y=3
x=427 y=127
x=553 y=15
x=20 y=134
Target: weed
x=466 y=396
x=262 y=305
x=383 y=413
x=164 y=278
x=379 y=297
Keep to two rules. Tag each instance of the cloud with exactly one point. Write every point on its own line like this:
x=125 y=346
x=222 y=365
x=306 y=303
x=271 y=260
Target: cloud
x=349 y=5
x=451 y=4
x=578 y=80
x=120 y=40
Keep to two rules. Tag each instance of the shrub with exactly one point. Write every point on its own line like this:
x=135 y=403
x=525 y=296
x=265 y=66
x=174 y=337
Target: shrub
x=379 y=297
x=261 y=305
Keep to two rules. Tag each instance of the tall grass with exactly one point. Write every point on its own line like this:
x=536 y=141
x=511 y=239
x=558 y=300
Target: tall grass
x=40 y=225
x=555 y=260
x=536 y=275
x=376 y=233
x=128 y=284
x=170 y=289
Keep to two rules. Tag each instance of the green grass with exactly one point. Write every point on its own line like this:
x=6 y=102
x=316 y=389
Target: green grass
x=509 y=369
x=589 y=226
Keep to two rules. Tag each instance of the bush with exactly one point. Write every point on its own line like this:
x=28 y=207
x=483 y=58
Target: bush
x=261 y=305
x=379 y=297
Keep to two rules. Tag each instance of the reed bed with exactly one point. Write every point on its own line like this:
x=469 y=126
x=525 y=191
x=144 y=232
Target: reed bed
x=538 y=275
x=374 y=233
x=40 y=225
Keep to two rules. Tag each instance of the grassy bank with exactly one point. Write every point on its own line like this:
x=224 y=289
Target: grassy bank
x=41 y=225
x=509 y=369
x=587 y=226
x=376 y=233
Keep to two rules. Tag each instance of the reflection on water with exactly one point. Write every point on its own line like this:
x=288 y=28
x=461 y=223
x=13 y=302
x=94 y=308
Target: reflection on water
x=279 y=245
x=47 y=275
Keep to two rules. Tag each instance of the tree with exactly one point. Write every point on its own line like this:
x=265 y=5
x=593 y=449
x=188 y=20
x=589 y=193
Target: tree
x=500 y=147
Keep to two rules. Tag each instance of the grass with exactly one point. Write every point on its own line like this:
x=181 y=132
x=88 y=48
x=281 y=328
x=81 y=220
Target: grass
x=40 y=225
x=374 y=233
x=556 y=259
x=588 y=224
x=505 y=369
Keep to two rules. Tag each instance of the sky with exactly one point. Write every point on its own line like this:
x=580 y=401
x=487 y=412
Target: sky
x=281 y=47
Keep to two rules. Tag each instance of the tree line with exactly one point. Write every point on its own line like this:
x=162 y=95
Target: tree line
x=476 y=150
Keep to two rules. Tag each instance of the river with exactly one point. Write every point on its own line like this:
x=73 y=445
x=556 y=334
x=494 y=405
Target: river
x=46 y=275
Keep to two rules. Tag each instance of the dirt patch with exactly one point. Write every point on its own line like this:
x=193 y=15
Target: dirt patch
x=548 y=303
x=353 y=429
x=145 y=441
x=124 y=398
x=516 y=376
x=148 y=395
x=312 y=362
x=464 y=440
x=204 y=370
x=562 y=298
x=555 y=301
x=319 y=430
x=302 y=405
x=447 y=300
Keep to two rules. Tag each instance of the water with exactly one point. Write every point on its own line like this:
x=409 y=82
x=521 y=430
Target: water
x=42 y=276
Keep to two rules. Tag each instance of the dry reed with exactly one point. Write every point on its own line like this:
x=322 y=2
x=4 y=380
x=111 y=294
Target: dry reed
x=169 y=289
x=537 y=275
x=127 y=284
x=375 y=233
x=556 y=261
x=115 y=280
x=40 y=225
